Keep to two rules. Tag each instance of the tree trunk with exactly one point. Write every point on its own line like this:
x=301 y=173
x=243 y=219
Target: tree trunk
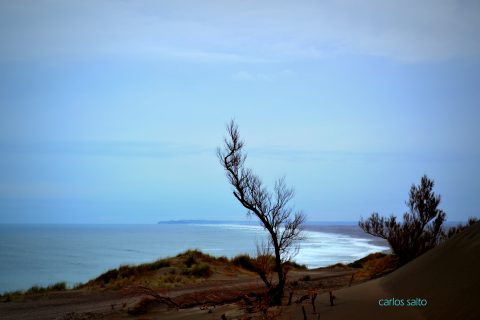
x=277 y=293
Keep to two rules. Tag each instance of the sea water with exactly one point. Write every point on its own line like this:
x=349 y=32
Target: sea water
x=45 y=254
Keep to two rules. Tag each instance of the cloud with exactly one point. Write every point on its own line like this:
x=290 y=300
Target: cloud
x=261 y=76
x=242 y=31
x=243 y=76
x=104 y=148
x=299 y=155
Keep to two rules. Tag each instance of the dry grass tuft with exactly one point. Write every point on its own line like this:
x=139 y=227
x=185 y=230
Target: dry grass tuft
x=376 y=265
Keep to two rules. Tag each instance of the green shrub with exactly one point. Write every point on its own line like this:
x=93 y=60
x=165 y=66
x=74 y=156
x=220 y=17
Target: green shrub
x=459 y=228
x=222 y=259
x=201 y=270
x=190 y=260
x=35 y=289
x=355 y=264
x=107 y=277
x=306 y=278
x=78 y=285
x=59 y=286
x=171 y=278
x=361 y=262
x=159 y=264
x=295 y=265
x=420 y=229
x=11 y=296
x=125 y=272
x=197 y=255
x=15 y=295
x=244 y=261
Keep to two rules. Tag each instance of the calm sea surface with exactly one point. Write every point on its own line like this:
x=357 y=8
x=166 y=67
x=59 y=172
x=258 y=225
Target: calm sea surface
x=45 y=254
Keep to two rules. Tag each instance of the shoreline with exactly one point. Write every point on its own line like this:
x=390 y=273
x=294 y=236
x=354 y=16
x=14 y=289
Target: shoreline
x=143 y=245
x=224 y=285
x=63 y=285
x=225 y=290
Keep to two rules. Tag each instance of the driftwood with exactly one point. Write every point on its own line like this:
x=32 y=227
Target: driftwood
x=258 y=303
x=247 y=300
x=290 y=296
x=152 y=293
x=304 y=313
x=208 y=307
x=332 y=297
x=314 y=296
x=303 y=298
x=351 y=280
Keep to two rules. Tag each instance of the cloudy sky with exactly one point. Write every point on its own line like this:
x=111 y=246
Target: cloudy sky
x=110 y=111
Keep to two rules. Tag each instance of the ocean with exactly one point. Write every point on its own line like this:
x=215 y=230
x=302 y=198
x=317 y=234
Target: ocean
x=45 y=254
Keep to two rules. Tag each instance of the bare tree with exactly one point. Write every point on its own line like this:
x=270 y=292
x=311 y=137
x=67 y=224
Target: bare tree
x=421 y=229
x=284 y=227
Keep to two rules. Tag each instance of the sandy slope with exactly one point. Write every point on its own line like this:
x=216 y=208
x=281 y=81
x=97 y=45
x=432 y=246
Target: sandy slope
x=114 y=304
x=447 y=276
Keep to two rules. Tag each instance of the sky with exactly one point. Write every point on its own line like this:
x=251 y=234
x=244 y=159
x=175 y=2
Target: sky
x=111 y=111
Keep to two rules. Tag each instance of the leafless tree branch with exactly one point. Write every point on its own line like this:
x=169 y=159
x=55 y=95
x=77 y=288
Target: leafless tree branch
x=271 y=208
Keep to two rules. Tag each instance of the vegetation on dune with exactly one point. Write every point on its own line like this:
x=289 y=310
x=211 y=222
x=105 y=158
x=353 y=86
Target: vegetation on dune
x=167 y=272
x=244 y=261
x=460 y=227
x=59 y=286
x=14 y=295
x=338 y=266
x=249 y=263
x=421 y=228
x=186 y=267
x=293 y=265
x=371 y=266
x=129 y=272
x=199 y=270
x=361 y=262
x=306 y=278
x=191 y=257
x=375 y=265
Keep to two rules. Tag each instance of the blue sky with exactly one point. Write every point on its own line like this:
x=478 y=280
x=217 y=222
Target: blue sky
x=110 y=111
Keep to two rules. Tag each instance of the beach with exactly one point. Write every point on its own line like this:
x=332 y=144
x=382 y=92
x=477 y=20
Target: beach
x=445 y=277
x=78 y=253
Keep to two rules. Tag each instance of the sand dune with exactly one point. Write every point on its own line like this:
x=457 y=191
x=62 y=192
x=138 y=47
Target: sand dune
x=448 y=277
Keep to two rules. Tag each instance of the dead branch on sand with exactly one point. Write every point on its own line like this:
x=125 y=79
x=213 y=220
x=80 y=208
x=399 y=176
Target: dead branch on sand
x=141 y=290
